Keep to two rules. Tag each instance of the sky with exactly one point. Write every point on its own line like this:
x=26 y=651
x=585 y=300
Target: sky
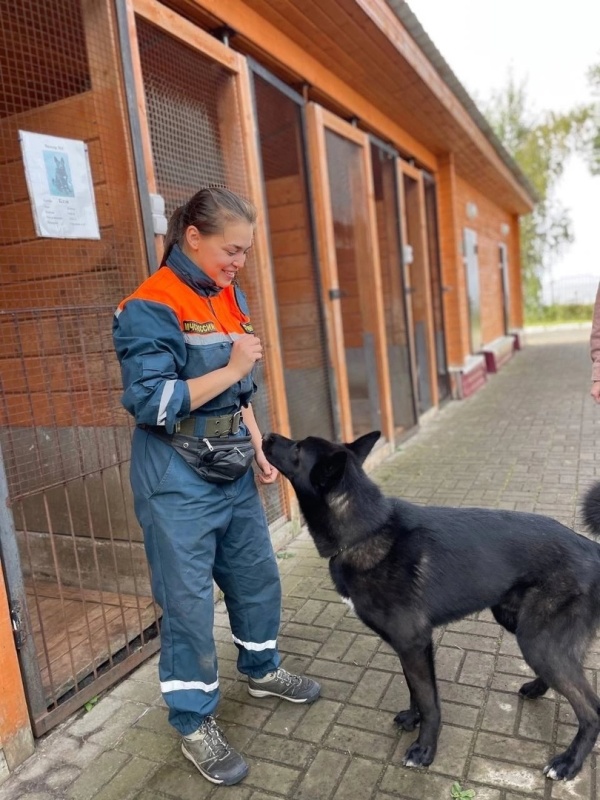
x=550 y=44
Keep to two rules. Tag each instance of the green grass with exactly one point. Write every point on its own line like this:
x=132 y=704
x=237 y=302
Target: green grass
x=560 y=314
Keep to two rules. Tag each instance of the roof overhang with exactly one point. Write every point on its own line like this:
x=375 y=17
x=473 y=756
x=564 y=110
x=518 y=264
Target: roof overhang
x=371 y=60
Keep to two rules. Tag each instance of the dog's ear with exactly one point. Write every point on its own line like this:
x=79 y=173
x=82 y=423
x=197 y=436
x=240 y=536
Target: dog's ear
x=328 y=471
x=364 y=444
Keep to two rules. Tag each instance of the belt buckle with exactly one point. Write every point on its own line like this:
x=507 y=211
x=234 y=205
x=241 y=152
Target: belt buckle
x=218 y=426
x=223 y=426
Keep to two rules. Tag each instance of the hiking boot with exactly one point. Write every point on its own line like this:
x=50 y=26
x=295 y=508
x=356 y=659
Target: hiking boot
x=209 y=751
x=295 y=688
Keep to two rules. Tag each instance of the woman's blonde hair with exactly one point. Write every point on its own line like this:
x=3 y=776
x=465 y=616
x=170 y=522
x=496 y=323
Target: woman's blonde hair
x=208 y=210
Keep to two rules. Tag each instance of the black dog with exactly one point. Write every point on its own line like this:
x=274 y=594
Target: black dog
x=398 y=563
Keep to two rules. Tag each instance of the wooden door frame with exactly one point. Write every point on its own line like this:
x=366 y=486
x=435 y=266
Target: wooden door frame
x=318 y=121
x=407 y=287
x=395 y=230
x=195 y=38
x=404 y=168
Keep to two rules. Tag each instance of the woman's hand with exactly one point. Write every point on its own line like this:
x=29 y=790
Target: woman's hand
x=268 y=473
x=246 y=351
x=596 y=391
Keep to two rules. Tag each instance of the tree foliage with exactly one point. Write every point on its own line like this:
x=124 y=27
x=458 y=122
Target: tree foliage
x=540 y=143
x=590 y=144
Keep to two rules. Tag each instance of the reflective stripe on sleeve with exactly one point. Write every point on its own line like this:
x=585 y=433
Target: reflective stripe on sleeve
x=256 y=646
x=166 y=395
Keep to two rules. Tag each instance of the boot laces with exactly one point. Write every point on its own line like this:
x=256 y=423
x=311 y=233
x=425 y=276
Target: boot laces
x=214 y=738
x=287 y=678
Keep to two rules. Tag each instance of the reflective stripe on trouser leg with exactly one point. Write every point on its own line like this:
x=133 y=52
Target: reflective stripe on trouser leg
x=246 y=571
x=181 y=516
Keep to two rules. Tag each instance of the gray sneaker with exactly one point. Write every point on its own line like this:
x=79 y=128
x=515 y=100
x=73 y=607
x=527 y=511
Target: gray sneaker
x=212 y=754
x=295 y=688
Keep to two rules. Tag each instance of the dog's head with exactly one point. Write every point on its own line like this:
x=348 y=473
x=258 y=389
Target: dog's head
x=314 y=464
x=326 y=478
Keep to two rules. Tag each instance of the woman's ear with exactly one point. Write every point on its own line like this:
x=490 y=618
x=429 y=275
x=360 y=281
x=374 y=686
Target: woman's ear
x=192 y=237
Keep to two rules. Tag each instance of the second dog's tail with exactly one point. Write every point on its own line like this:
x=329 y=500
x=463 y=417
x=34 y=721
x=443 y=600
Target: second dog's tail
x=591 y=509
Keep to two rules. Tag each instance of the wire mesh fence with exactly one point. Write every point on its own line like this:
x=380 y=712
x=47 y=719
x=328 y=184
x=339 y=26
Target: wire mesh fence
x=195 y=130
x=297 y=286
x=64 y=436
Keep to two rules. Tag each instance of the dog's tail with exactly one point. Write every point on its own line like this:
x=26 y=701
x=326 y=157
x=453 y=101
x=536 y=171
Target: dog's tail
x=591 y=509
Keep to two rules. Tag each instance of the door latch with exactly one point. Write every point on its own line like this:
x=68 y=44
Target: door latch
x=19 y=629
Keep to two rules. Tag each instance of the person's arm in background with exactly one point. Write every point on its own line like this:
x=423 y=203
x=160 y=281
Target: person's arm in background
x=268 y=473
x=595 y=350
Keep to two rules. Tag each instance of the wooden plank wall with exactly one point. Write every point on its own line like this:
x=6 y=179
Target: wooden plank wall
x=296 y=285
x=49 y=358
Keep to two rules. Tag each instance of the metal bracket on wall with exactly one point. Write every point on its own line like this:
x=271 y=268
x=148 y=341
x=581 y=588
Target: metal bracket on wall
x=159 y=220
x=225 y=34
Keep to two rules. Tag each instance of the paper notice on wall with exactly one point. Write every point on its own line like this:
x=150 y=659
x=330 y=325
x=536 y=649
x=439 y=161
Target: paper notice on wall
x=61 y=190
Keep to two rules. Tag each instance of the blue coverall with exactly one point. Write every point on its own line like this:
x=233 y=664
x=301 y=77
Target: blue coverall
x=164 y=333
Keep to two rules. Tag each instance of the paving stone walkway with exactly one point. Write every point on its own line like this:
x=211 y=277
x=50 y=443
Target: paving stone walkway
x=530 y=440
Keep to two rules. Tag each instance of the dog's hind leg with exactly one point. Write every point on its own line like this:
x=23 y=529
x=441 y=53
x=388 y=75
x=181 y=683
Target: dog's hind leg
x=506 y=614
x=418 y=666
x=586 y=705
x=550 y=658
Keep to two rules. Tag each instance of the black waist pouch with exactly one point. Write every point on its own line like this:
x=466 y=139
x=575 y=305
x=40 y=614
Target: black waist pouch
x=215 y=460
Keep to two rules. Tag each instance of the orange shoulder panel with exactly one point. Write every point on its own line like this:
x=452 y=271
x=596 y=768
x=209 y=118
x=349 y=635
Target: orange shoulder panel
x=222 y=309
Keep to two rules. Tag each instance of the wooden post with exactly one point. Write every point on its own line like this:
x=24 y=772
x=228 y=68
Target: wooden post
x=515 y=276
x=453 y=274
x=374 y=294
x=264 y=269
x=407 y=279
x=420 y=247
x=328 y=262
x=435 y=398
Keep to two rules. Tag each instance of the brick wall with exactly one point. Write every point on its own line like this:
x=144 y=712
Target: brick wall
x=487 y=225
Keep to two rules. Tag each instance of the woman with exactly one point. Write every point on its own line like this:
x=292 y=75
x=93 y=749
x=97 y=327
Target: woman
x=187 y=350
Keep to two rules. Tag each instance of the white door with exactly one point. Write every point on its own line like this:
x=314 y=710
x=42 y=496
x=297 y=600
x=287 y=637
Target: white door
x=471 y=261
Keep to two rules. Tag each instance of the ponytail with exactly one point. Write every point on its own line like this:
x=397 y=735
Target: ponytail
x=175 y=231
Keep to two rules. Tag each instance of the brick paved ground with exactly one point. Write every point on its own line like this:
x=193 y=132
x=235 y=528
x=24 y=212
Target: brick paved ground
x=529 y=440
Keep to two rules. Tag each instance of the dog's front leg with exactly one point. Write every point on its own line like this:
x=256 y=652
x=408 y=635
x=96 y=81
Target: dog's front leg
x=418 y=666
x=410 y=718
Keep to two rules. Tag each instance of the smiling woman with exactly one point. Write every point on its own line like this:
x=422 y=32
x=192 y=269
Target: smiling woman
x=187 y=350
x=214 y=229
x=219 y=255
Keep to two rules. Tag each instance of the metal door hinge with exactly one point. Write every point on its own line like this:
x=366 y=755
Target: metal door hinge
x=18 y=625
x=335 y=294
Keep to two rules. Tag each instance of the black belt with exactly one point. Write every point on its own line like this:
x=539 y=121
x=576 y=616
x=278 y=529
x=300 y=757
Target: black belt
x=209 y=427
